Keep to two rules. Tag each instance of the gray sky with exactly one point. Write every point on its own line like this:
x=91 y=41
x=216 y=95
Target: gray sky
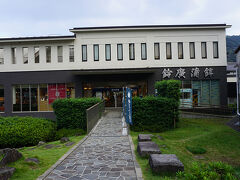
x=56 y=17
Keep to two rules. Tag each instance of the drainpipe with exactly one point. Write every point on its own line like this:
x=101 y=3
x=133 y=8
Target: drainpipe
x=237 y=84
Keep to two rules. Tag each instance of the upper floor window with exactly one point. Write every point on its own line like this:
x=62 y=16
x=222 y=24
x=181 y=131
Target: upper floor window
x=60 y=53
x=168 y=50
x=204 y=50
x=25 y=55
x=180 y=50
x=215 y=49
x=156 y=51
x=108 y=52
x=84 y=52
x=192 y=50
x=96 y=52
x=48 y=54
x=119 y=51
x=13 y=54
x=131 y=51
x=71 y=53
x=1 y=56
x=36 y=54
x=143 y=51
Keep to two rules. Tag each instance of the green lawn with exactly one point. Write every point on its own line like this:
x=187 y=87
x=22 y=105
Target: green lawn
x=47 y=157
x=220 y=142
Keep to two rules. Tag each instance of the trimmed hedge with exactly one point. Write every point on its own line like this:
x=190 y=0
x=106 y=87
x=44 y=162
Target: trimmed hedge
x=25 y=131
x=169 y=89
x=154 y=114
x=71 y=113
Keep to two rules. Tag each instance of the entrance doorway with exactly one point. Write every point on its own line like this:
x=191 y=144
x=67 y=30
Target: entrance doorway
x=112 y=92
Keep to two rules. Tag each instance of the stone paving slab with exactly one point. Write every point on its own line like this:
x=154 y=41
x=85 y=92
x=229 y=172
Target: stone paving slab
x=106 y=154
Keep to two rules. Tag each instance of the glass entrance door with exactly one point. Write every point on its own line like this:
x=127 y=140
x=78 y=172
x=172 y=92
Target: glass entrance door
x=111 y=92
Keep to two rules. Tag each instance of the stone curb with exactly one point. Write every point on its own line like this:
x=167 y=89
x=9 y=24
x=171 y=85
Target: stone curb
x=46 y=173
x=138 y=170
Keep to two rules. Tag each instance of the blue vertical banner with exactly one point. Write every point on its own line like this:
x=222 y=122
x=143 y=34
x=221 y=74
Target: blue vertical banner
x=126 y=107
x=123 y=102
x=129 y=105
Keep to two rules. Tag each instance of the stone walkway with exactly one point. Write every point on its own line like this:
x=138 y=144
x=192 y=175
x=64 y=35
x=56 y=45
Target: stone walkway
x=105 y=154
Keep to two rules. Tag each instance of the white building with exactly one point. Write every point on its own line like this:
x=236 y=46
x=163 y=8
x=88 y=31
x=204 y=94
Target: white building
x=99 y=61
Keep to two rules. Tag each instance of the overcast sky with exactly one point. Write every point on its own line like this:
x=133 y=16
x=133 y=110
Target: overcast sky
x=56 y=17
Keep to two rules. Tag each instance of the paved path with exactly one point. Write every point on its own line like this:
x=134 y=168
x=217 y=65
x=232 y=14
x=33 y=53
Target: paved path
x=105 y=154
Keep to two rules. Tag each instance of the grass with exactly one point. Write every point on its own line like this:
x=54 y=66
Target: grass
x=220 y=142
x=47 y=157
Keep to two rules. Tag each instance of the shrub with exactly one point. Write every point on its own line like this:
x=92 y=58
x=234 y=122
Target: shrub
x=196 y=149
x=25 y=131
x=153 y=114
x=68 y=133
x=210 y=171
x=71 y=113
x=169 y=89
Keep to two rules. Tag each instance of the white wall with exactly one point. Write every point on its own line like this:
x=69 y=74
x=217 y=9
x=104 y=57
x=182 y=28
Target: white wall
x=124 y=37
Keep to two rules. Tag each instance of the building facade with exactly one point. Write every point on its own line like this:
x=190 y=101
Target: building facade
x=99 y=61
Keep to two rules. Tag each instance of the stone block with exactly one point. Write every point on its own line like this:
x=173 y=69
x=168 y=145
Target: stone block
x=9 y=155
x=161 y=163
x=147 y=148
x=6 y=172
x=144 y=137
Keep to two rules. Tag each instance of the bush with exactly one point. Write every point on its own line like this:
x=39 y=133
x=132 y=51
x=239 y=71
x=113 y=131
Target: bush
x=68 y=133
x=153 y=114
x=25 y=131
x=71 y=113
x=196 y=149
x=210 y=171
x=169 y=89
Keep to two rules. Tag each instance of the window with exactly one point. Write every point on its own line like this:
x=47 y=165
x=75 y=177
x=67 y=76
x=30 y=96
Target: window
x=108 y=52
x=1 y=98
x=156 y=51
x=131 y=51
x=1 y=56
x=25 y=97
x=215 y=49
x=84 y=52
x=34 y=97
x=60 y=54
x=36 y=54
x=96 y=52
x=17 y=98
x=48 y=54
x=119 y=51
x=38 y=97
x=13 y=53
x=192 y=50
x=168 y=50
x=180 y=50
x=204 y=50
x=143 y=51
x=71 y=53
x=25 y=55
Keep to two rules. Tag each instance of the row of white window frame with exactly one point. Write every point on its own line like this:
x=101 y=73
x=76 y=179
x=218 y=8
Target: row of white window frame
x=204 y=53
x=37 y=54
x=144 y=51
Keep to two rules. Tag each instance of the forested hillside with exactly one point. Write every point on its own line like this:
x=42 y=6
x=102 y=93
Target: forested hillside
x=232 y=44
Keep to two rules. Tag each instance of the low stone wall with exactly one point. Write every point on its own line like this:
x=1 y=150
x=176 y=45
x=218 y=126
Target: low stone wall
x=94 y=113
